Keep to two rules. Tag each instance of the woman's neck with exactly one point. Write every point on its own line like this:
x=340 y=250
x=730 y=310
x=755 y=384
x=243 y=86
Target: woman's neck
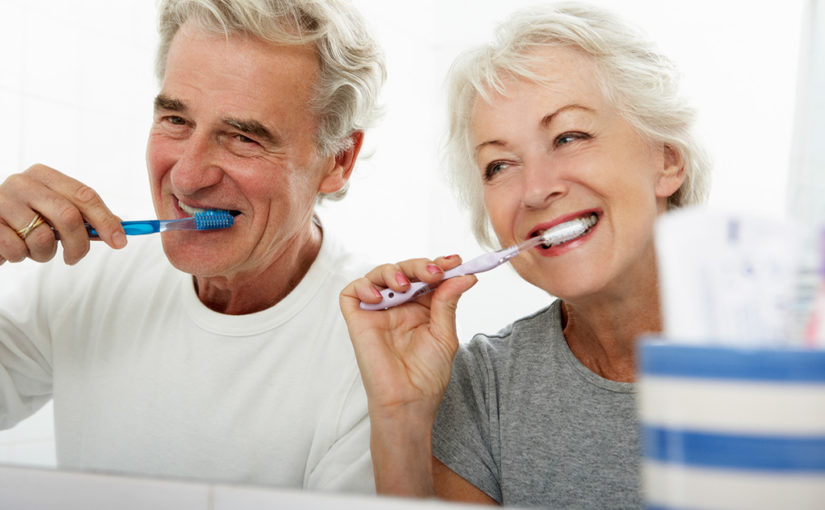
x=602 y=331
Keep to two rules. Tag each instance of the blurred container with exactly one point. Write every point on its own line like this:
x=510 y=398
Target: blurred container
x=732 y=428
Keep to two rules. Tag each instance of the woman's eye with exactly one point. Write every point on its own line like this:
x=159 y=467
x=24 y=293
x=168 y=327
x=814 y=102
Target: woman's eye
x=494 y=168
x=566 y=138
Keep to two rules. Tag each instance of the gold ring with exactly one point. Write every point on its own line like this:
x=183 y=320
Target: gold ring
x=33 y=224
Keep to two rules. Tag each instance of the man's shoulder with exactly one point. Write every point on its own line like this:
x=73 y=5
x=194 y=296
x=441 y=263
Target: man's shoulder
x=340 y=261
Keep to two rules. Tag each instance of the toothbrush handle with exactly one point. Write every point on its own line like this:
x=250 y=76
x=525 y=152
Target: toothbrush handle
x=132 y=228
x=391 y=298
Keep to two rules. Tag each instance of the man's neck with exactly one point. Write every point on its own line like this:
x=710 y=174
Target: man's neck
x=255 y=291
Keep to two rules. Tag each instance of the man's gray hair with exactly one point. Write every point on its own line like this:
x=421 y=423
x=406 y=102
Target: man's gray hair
x=351 y=63
x=642 y=83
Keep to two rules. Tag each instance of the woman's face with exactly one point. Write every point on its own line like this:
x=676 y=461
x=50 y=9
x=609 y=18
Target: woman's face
x=554 y=151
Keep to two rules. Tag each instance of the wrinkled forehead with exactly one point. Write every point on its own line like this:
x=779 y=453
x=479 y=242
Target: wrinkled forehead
x=546 y=77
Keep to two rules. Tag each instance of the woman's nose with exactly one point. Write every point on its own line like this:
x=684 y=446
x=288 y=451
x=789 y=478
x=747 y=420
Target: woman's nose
x=197 y=167
x=542 y=183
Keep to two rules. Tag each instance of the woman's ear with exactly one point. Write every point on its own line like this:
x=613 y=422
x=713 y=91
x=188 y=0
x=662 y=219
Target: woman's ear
x=342 y=166
x=672 y=174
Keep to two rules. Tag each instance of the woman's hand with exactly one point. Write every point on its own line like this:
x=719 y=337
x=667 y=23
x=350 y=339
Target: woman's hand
x=405 y=355
x=63 y=203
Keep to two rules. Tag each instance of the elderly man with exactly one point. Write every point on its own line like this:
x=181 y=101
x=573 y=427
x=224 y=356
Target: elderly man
x=222 y=356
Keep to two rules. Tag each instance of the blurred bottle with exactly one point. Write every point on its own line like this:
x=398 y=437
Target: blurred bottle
x=815 y=322
x=806 y=184
x=806 y=179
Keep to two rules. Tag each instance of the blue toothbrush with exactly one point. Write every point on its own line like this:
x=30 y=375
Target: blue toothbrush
x=210 y=219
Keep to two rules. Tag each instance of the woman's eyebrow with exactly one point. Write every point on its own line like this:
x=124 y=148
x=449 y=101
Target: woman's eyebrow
x=545 y=121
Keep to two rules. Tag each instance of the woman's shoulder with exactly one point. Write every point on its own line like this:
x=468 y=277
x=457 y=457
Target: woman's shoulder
x=526 y=334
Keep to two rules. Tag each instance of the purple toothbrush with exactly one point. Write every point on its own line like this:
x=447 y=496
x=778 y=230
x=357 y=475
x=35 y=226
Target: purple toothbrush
x=559 y=234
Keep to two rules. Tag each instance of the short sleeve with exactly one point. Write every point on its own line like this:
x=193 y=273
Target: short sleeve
x=466 y=431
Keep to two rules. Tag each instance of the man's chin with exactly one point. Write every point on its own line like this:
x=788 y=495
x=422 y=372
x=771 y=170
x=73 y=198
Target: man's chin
x=193 y=258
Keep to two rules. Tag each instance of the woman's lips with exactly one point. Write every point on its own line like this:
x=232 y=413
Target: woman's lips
x=543 y=227
x=567 y=232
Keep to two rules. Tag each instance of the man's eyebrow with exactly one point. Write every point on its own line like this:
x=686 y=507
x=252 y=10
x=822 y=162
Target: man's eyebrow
x=252 y=127
x=167 y=103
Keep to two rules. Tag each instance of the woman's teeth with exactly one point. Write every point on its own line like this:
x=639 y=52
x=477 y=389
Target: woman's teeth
x=569 y=230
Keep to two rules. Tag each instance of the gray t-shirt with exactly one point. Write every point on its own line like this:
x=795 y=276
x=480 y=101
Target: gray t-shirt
x=527 y=423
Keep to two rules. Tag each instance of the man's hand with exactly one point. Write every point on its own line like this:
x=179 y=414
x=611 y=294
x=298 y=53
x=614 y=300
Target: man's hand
x=64 y=205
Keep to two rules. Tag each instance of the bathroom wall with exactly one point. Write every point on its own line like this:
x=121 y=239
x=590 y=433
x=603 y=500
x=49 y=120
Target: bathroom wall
x=76 y=88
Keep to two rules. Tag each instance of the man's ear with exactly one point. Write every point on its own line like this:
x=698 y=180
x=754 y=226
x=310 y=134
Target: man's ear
x=672 y=175
x=342 y=166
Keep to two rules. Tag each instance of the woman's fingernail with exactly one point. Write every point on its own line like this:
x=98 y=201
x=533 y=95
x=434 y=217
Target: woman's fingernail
x=401 y=279
x=448 y=257
x=375 y=292
x=433 y=269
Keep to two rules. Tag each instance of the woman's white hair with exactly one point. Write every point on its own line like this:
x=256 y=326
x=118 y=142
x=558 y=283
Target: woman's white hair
x=351 y=63
x=642 y=83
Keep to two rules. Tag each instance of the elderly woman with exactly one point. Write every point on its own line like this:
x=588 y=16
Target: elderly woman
x=569 y=114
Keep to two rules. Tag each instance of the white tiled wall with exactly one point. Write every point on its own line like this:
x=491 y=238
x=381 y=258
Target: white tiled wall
x=76 y=91
x=76 y=87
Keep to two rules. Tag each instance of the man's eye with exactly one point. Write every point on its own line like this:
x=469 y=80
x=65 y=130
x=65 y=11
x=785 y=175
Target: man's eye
x=174 y=119
x=244 y=139
x=241 y=145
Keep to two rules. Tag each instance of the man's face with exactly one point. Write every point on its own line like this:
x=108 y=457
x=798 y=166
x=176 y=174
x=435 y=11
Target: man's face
x=232 y=131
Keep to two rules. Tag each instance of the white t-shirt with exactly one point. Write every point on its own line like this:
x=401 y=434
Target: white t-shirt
x=147 y=380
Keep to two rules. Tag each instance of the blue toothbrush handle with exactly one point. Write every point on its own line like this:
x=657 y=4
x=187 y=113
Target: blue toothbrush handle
x=210 y=219
x=132 y=228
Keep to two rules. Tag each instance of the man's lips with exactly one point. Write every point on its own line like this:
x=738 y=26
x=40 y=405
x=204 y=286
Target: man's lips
x=192 y=210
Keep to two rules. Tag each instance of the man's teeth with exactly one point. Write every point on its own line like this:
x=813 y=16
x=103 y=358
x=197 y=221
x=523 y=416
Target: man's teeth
x=191 y=210
x=569 y=230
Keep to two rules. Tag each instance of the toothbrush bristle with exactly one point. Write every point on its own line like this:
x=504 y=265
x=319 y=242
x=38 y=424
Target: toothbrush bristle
x=213 y=219
x=567 y=231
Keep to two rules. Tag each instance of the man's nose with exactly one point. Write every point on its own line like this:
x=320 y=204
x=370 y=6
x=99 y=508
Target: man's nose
x=198 y=166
